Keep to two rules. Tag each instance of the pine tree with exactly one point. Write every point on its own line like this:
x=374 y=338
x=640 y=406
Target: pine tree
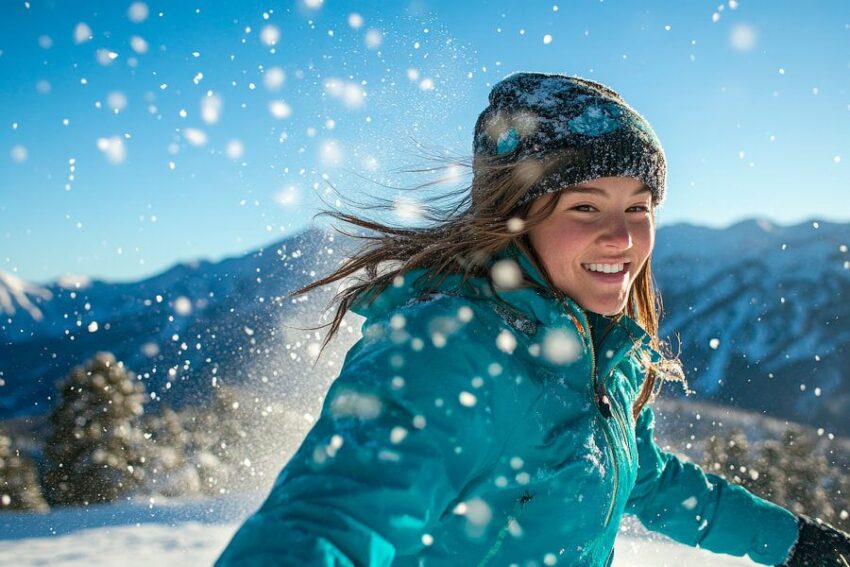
x=19 y=488
x=714 y=454
x=839 y=484
x=217 y=450
x=168 y=470
x=769 y=464
x=96 y=450
x=805 y=470
x=793 y=473
x=738 y=456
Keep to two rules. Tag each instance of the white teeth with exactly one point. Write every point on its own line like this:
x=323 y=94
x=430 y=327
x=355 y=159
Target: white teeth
x=605 y=268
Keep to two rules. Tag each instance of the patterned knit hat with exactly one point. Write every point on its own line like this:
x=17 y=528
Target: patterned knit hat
x=576 y=129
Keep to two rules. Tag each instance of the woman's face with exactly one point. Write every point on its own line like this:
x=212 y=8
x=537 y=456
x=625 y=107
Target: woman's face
x=604 y=224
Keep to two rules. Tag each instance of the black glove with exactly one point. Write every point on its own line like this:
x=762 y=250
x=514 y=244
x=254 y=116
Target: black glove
x=819 y=545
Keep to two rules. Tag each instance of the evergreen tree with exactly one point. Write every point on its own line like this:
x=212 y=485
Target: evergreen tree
x=19 y=488
x=738 y=456
x=168 y=470
x=805 y=471
x=729 y=456
x=217 y=450
x=96 y=450
x=714 y=454
x=769 y=464
x=793 y=473
x=839 y=488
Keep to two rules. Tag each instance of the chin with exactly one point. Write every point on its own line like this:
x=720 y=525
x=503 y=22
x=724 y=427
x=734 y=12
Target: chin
x=607 y=309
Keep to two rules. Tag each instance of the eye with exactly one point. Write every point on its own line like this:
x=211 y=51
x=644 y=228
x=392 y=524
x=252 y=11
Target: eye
x=583 y=208
x=640 y=209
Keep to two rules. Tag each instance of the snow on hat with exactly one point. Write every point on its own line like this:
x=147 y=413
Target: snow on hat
x=577 y=129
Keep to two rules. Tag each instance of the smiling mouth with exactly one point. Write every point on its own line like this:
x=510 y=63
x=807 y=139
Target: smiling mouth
x=612 y=269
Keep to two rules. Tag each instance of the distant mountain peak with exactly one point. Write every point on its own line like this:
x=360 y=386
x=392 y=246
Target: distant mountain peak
x=15 y=293
x=765 y=224
x=74 y=281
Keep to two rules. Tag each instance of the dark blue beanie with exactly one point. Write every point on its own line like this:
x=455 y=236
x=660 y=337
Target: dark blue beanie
x=576 y=129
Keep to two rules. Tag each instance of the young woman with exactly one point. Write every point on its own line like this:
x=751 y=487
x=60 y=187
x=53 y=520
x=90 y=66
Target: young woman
x=496 y=410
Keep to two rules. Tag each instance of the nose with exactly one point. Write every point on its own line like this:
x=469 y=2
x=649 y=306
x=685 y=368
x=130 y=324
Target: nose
x=616 y=233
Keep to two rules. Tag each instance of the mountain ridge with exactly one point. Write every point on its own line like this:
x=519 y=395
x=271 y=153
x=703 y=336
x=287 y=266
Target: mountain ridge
x=761 y=309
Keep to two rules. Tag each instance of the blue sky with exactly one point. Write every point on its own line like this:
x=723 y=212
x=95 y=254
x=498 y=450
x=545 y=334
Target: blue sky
x=136 y=135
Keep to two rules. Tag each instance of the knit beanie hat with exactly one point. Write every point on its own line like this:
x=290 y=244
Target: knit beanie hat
x=576 y=129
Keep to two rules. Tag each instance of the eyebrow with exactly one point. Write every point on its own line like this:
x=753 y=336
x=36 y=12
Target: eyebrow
x=602 y=192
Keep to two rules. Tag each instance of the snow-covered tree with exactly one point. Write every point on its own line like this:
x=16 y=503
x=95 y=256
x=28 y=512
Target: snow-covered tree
x=805 y=471
x=96 y=449
x=793 y=472
x=729 y=456
x=169 y=470
x=19 y=488
x=217 y=449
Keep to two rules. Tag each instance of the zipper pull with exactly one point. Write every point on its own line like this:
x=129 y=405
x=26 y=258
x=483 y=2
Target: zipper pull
x=603 y=401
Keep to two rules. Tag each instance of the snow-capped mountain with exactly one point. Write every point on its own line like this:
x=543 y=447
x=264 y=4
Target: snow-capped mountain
x=762 y=314
x=194 y=325
x=18 y=295
x=760 y=309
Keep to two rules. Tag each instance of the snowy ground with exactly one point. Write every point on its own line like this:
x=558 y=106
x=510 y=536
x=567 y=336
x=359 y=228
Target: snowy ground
x=193 y=532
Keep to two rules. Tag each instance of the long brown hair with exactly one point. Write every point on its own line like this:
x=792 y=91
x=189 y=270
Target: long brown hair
x=460 y=238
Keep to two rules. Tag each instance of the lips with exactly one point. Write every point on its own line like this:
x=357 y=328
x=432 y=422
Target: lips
x=608 y=277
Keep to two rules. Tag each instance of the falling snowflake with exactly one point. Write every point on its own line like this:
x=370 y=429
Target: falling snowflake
x=280 y=109
x=270 y=35
x=82 y=33
x=560 y=346
x=506 y=274
x=234 y=149
x=195 y=137
x=355 y=20
x=374 y=38
x=211 y=108
x=274 y=78
x=113 y=148
x=137 y=12
x=138 y=44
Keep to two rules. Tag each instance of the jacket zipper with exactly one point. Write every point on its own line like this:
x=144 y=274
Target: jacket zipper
x=600 y=393
x=608 y=444
x=621 y=418
x=601 y=400
x=599 y=396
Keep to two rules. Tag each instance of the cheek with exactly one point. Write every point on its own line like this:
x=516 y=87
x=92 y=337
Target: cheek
x=644 y=240
x=566 y=242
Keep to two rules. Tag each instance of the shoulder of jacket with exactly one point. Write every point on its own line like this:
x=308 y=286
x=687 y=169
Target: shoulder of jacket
x=432 y=308
x=437 y=326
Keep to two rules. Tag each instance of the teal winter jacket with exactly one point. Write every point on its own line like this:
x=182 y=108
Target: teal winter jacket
x=464 y=429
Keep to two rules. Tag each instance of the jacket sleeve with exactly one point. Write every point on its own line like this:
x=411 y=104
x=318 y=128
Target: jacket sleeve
x=691 y=506
x=401 y=432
